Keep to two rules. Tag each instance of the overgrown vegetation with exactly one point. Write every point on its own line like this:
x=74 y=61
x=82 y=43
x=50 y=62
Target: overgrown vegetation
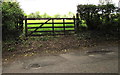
x=103 y=18
x=12 y=21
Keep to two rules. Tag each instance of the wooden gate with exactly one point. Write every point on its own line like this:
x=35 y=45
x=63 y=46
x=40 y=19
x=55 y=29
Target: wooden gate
x=49 y=26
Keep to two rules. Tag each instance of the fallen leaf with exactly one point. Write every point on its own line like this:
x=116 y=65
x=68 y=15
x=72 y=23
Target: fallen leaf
x=26 y=55
x=6 y=59
x=13 y=54
x=65 y=50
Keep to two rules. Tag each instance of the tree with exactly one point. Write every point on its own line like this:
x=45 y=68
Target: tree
x=70 y=14
x=45 y=15
x=57 y=16
x=35 y=15
x=64 y=16
x=12 y=16
x=96 y=20
x=31 y=15
x=104 y=2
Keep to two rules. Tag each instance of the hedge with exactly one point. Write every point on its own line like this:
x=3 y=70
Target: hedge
x=12 y=16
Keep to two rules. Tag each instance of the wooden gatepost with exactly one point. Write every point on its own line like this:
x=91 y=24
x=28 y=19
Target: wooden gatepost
x=26 y=34
x=77 y=23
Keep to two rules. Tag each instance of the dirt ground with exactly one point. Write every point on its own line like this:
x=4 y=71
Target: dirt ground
x=49 y=46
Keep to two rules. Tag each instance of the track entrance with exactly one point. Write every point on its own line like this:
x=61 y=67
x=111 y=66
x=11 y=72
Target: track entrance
x=49 y=26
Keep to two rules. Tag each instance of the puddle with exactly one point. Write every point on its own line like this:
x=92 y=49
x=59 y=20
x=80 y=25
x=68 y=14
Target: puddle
x=37 y=65
x=91 y=55
x=99 y=52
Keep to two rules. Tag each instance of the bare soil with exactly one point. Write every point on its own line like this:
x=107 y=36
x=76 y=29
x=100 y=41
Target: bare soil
x=49 y=45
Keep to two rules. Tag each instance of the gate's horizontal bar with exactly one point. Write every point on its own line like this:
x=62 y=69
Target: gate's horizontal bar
x=55 y=31
x=49 y=34
x=49 y=18
x=52 y=27
x=51 y=23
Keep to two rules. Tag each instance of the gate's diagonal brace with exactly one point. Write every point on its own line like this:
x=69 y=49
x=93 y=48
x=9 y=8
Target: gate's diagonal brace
x=39 y=26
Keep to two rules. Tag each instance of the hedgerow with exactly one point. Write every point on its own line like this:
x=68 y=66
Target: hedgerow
x=100 y=17
x=12 y=16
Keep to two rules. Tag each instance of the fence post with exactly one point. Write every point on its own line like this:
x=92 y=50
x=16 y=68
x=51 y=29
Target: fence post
x=74 y=23
x=64 y=25
x=77 y=23
x=21 y=23
x=26 y=34
x=53 y=27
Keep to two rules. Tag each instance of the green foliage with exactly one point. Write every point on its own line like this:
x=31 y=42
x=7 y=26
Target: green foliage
x=38 y=15
x=34 y=15
x=86 y=13
x=70 y=14
x=101 y=17
x=12 y=16
x=103 y=2
x=57 y=16
x=65 y=16
x=45 y=15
